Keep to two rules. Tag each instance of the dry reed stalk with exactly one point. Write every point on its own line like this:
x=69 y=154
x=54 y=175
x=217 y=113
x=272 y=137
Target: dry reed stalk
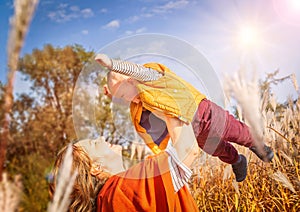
x=288 y=116
x=288 y=158
x=270 y=119
x=227 y=172
x=273 y=102
x=283 y=180
x=10 y=193
x=65 y=182
x=240 y=112
x=246 y=93
x=278 y=133
x=296 y=86
x=265 y=100
x=235 y=185
x=19 y=25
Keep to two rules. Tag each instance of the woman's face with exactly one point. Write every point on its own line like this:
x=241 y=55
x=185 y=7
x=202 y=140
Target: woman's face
x=108 y=156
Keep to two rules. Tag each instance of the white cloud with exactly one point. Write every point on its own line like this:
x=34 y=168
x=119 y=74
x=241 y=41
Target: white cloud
x=138 y=31
x=66 y=13
x=46 y=2
x=103 y=10
x=133 y=19
x=128 y=32
x=147 y=15
x=62 y=6
x=85 y=32
x=168 y=7
x=74 y=8
x=112 y=25
x=141 y=30
x=171 y=5
x=86 y=13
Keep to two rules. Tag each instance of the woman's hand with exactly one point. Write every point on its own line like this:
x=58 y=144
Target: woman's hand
x=104 y=60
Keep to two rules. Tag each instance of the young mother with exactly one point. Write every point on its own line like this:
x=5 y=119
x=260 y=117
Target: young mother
x=156 y=184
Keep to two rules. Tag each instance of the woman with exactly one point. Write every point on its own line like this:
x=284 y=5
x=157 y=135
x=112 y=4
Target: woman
x=103 y=185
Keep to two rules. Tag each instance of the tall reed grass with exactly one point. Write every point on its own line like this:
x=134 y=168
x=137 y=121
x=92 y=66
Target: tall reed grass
x=65 y=182
x=10 y=193
x=271 y=186
x=23 y=11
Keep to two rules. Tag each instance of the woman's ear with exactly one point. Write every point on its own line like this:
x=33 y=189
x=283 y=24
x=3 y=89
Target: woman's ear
x=96 y=170
x=99 y=173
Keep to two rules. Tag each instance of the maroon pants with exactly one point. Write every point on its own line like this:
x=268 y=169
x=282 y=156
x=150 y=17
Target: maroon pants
x=214 y=128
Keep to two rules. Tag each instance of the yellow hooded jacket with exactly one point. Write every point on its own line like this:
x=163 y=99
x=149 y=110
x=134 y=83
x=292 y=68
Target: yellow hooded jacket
x=169 y=94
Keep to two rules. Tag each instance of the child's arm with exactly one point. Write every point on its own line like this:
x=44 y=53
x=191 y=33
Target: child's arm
x=136 y=71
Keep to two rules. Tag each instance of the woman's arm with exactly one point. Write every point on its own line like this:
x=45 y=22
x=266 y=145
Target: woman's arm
x=182 y=136
x=136 y=71
x=183 y=139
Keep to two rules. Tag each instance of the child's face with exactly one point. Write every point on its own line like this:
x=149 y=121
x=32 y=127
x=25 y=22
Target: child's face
x=126 y=91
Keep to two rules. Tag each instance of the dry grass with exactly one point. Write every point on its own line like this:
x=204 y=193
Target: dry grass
x=271 y=186
x=65 y=182
x=10 y=191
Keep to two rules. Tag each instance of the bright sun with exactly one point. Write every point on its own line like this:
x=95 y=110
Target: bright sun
x=248 y=37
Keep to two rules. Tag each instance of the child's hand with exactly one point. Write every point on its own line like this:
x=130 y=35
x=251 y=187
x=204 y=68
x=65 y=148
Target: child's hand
x=103 y=60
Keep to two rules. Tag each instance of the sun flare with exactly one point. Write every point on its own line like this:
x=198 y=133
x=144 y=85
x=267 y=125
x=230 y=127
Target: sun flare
x=295 y=4
x=248 y=37
x=288 y=10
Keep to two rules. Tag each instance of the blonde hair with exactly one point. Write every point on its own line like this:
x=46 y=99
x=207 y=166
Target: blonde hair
x=86 y=186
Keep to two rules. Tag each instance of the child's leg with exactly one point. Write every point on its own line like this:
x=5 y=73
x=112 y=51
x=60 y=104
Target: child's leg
x=213 y=127
x=237 y=132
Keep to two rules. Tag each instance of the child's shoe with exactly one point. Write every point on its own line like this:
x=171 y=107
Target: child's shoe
x=266 y=154
x=240 y=168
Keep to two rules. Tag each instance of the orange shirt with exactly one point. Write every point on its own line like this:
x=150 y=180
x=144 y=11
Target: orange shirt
x=146 y=186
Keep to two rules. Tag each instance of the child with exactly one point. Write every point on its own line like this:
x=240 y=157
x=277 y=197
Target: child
x=154 y=89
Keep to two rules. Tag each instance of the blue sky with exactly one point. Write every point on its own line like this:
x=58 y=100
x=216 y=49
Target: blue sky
x=231 y=34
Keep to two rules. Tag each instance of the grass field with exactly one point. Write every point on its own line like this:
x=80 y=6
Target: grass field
x=271 y=186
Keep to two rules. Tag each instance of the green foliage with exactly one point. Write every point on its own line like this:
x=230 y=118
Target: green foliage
x=104 y=113
x=33 y=171
x=42 y=119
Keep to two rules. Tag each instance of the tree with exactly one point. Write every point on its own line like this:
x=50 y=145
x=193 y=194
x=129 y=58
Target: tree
x=1 y=104
x=53 y=73
x=42 y=119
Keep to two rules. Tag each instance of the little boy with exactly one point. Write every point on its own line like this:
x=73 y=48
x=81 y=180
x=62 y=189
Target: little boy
x=162 y=102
